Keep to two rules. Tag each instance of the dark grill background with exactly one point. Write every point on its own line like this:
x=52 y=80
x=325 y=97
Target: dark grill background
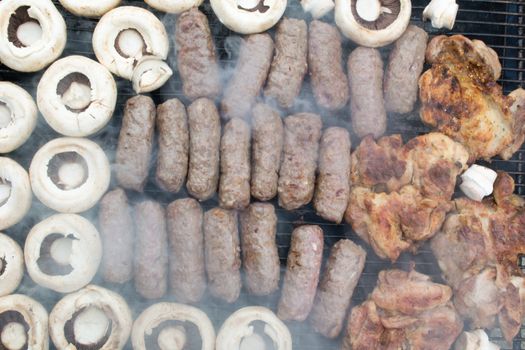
x=500 y=24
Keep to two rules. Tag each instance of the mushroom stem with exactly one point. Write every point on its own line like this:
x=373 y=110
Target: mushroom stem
x=61 y=250
x=77 y=96
x=5 y=115
x=172 y=338
x=130 y=42
x=90 y=326
x=5 y=192
x=248 y=4
x=369 y=10
x=252 y=342
x=71 y=175
x=13 y=336
x=29 y=33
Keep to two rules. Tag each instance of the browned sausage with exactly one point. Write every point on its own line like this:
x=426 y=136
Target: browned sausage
x=135 y=143
x=172 y=160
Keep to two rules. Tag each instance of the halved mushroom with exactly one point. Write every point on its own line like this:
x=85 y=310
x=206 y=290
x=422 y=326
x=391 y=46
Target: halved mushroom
x=32 y=34
x=249 y=16
x=475 y=340
x=92 y=8
x=318 y=8
x=150 y=74
x=15 y=193
x=77 y=96
x=11 y=265
x=171 y=326
x=254 y=328
x=372 y=23
x=127 y=34
x=23 y=324
x=92 y=318
x=442 y=13
x=18 y=115
x=69 y=174
x=174 y=6
x=63 y=252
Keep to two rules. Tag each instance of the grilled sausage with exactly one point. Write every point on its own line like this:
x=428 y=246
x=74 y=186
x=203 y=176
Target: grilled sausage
x=117 y=233
x=172 y=161
x=403 y=70
x=234 y=186
x=259 y=248
x=205 y=138
x=289 y=64
x=342 y=272
x=297 y=174
x=325 y=61
x=151 y=250
x=135 y=143
x=302 y=273
x=333 y=179
x=365 y=76
x=186 y=250
x=222 y=253
x=255 y=58
x=196 y=57
x=267 y=148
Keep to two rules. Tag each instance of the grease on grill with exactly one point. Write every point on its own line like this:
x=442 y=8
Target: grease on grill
x=46 y=263
x=61 y=159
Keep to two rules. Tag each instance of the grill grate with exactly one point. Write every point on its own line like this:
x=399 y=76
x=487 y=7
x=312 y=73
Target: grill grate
x=501 y=24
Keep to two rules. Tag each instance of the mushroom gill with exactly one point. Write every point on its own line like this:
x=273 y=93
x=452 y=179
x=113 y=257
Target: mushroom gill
x=375 y=14
x=75 y=92
x=130 y=43
x=23 y=31
x=68 y=170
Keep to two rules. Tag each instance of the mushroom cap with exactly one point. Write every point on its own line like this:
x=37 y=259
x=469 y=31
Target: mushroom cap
x=171 y=6
x=11 y=265
x=106 y=32
x=150 y=74
x=86 y=252
x=19 y=201
x=248 y=21
x=71 y=122
x=23 y=116
x=40 y=54
x=156 y=314
x=92 y=8
x=237 y=326
x=352 y=29
x=78 y=199
x=111 y=303
x=34 y=314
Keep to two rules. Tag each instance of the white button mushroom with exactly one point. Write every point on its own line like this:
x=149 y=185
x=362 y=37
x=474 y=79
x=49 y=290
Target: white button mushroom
x=18 y=115
x=372 y=23
x=11 y=265
x=70 y=175
x=92 y=8
x=15 y=193
x=442 y=13
x=171 y=337
x=98 y=318
x=249 y=16
x=23 y=324
x=124 y=37
x=171 y=6
x=63 y=252
x=77 y=96
x=478 y=182
x=318 y=8
x=238 y=331
x=32 y=34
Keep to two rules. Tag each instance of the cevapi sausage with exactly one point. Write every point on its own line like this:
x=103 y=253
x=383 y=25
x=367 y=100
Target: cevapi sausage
x=135 y=143
x=205 y=138
x=342 y=272
x=333 y=180
x=186 y=250
x=172 y=160
x=151 y=250
x=289 y=64
x=302 y=273
x=297 y=174
x=117 y=233
x=259 y=248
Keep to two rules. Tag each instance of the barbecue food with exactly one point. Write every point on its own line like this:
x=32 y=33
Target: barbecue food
x=267 y=147
x=234 y=185
x=405 y=65
x=135 y=143
x=401 y=193
x=172 y=160
x=205 y=138
x=302 y=273
x=344 y=267
x=252 y=68
x=297 y=174
x=196 y=57
x=406 y=310
x=460 y=98
x=478 y=250
x=325 y=62
x=259 y=249
x=333 y=179
x=289 y=64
